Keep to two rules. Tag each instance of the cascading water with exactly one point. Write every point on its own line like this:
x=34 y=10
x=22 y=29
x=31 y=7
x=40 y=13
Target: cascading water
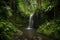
x=30 y=22
x=29 y=31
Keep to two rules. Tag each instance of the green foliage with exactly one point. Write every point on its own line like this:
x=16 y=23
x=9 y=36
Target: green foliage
x=30 y=6
x=46 y=5
x=9 y=11
x=27 y=6
x=6 y=12
x=49 y=28
x=8 y=30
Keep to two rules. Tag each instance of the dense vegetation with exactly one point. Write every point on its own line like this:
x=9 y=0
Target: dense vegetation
x=14 y=14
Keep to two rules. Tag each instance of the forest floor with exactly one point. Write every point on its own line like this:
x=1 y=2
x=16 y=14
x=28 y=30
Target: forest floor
x=36 y=37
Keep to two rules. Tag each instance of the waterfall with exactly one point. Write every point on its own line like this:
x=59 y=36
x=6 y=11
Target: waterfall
x=30 y=21
x=29 y=31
